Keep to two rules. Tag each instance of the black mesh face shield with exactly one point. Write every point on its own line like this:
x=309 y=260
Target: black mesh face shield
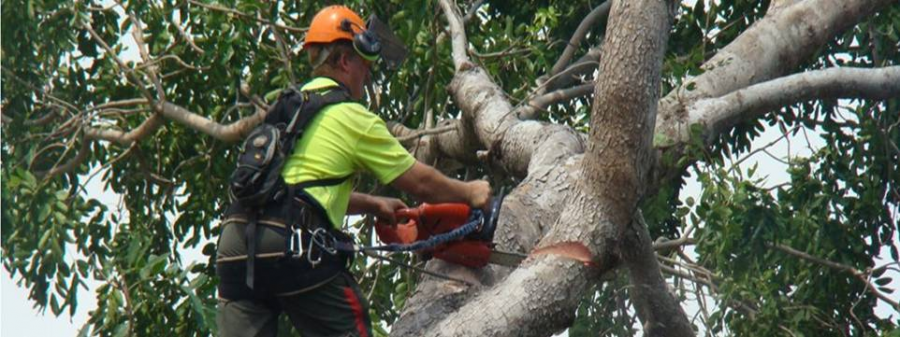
x=393 y=52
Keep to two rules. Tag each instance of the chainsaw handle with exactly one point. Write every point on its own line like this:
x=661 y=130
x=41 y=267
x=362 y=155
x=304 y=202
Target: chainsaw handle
x=406 y=232
x=412 y=216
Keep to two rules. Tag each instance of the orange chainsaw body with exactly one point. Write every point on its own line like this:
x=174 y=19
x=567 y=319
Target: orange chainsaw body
x=433 y=219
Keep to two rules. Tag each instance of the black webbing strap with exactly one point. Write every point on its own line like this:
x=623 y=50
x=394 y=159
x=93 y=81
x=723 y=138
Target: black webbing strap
x=312 y=104
x=250 y=233
x=322 y=182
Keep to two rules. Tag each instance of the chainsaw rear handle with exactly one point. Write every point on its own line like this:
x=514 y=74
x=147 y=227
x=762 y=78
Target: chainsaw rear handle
x=422 y=222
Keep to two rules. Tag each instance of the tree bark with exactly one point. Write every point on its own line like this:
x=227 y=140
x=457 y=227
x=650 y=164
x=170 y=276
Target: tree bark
x=620 y=153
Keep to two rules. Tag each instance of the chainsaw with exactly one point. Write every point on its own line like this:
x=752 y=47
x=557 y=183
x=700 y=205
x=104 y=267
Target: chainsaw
x=476 y=249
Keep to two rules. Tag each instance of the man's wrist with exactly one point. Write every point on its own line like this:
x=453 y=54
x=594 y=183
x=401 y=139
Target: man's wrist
x=470 y=197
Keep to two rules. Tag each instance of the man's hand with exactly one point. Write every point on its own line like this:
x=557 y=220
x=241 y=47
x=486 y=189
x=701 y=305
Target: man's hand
x=385 y=208
x=479 y=193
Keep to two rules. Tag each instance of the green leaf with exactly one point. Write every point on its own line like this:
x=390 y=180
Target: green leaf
x=272 y=95
x=54 y=305
x=155 y=265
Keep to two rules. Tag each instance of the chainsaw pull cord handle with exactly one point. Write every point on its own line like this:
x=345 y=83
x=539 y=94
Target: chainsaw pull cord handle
x=412 y=215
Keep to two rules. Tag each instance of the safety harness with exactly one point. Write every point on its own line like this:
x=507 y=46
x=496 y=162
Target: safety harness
x=260 y=196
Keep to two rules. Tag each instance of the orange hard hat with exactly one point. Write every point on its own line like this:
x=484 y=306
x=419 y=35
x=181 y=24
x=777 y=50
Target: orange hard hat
x=328 y=25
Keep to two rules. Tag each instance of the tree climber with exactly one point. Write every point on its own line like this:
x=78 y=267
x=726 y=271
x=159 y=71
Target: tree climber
x=313 y=286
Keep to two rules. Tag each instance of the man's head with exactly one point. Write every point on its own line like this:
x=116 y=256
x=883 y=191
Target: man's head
x=340 y=47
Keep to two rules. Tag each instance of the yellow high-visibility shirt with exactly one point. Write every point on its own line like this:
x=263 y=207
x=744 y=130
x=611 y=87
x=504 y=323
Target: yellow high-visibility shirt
x=342 y=140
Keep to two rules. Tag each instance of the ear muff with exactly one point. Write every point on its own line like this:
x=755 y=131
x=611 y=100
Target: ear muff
x=366 y=44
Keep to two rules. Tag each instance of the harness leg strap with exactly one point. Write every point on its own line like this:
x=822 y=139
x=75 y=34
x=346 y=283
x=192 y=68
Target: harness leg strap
x=250 y=233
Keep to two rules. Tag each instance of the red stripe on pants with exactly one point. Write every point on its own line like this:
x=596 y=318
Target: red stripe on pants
x=357 y=311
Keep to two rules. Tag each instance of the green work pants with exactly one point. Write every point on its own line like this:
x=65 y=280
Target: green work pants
x=336 y=308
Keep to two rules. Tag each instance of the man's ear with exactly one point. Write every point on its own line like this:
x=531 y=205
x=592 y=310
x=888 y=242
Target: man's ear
x=345 y=61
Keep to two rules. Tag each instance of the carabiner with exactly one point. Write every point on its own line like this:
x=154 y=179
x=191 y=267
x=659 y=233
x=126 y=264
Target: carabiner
x=296 y=244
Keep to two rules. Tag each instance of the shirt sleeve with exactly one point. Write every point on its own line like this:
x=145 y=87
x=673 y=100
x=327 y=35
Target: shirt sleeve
x=381 y=154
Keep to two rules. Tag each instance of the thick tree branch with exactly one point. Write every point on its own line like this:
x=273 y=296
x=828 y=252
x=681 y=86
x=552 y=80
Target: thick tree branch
x=457 y=35
x=658 y=309
x=446 y=143
x=722 y=113
x=426 y=132
x=227 y=133
x=149 y=126
x=521 y=147
x=772 y=47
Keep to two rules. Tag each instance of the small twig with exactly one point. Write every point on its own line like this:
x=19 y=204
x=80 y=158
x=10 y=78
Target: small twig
x=418 y=269
x=685 y=239
x=177 y=59
x=177 y=23
x=506 y=52
x=776 y=158
x=770 y=189
x=247 y=16
x=111 y=162
x=138 y=34
x=10 y=74
x=117 y=104
x=374 y=280
x=862 y=276
x=43 y=120
x=755 y=151
x=470 y=13
x=543 y=85
x=129 y=72
x=285 y=55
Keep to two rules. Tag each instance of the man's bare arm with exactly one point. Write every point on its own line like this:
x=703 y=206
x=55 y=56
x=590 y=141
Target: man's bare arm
x=430 y=185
